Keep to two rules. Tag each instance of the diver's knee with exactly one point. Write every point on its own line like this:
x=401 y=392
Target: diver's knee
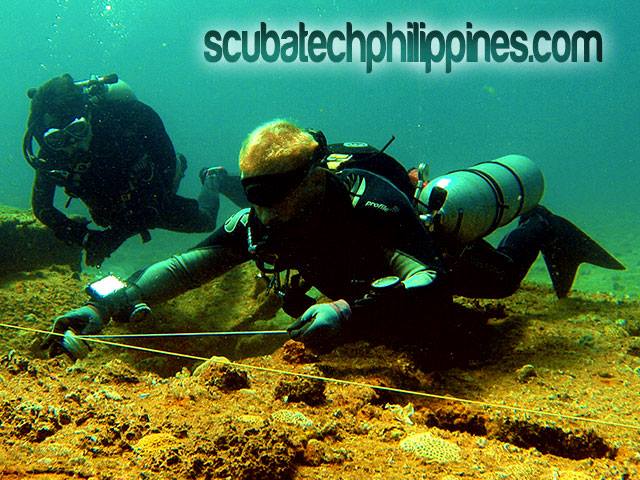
x=507 y=289
x=502 y=288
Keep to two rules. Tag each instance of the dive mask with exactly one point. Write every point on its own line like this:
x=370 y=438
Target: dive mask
x=61 y=138
x=267 y=190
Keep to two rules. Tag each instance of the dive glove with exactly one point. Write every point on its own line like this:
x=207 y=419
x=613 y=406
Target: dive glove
x=100 y=244
x=321 y=325
x=86 y=320
x=110 y=298
x=74 y=231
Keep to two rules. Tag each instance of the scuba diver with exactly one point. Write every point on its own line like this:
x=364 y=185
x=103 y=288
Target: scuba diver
x=103 y=146
x=357 y=238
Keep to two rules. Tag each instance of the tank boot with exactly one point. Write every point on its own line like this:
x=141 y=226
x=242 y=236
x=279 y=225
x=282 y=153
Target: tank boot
x=564 y=247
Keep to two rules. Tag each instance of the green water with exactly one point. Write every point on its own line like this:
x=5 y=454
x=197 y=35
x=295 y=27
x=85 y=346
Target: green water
x=581 y=124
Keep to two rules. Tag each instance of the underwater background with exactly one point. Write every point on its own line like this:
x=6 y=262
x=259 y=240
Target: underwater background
x=579 y=123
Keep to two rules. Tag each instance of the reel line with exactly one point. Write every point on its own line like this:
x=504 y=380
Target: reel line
x=479 y=403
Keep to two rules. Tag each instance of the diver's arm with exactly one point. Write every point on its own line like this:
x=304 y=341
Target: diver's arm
x=161 y=281
x=413 y=294
x=172 y=277
x=64 y=228
x=412 y=255
x=419 y=285
x=221 y=251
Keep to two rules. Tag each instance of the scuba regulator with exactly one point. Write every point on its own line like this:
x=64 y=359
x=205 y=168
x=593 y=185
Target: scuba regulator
x=468 y=204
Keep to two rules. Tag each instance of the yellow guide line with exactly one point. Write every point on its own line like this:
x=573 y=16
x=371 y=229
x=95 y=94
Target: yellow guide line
x=342 y=382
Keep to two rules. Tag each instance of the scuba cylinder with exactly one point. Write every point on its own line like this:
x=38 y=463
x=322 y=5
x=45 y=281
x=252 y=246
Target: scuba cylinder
x=108 y=87
x=120 y=91
x=465 y=205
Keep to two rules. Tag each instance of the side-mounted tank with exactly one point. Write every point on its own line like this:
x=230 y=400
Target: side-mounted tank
x=470 y=203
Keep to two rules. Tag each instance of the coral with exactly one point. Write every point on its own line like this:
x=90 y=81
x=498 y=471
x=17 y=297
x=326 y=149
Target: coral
x=304 y=390
x=431 y=448
x=159 y=451
x=224 y=377
x=117 y=371
x=525 y=373
x=301 y=389
x=292 y=417
x=155 y=441
x=400 y=413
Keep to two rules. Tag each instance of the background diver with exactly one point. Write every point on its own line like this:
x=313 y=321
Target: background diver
x=103 y=146
x=354 y=236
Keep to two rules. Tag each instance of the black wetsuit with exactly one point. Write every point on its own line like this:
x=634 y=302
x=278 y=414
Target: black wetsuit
x=126 y=178
x=364 y=229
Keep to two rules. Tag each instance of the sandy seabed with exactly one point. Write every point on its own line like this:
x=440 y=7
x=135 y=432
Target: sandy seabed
x=126 y=414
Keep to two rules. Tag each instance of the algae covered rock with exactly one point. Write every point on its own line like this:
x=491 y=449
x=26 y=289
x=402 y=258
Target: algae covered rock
x=307 y=389
x=159 y=451
x=215 y=373
x=246 y=452
x=232 y=302
x=29 y=245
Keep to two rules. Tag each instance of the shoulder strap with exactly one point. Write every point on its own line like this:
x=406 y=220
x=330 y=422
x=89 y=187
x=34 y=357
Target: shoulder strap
x=366 y=157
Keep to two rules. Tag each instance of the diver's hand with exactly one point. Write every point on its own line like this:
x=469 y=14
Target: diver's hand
x=100 y=244
x=86 y=320
x=212 y=177
x=73 y=232
x=321 y=325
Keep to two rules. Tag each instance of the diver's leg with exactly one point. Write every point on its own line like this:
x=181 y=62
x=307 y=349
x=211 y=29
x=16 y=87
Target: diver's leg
x=209 y=198
x=231 y=188
x=523 y=244
x=563 y=245
x=181 y=214
x=186 y=215
x=481 y=271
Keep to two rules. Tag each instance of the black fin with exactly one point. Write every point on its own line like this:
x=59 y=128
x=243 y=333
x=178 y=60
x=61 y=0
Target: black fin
x=567 y=248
